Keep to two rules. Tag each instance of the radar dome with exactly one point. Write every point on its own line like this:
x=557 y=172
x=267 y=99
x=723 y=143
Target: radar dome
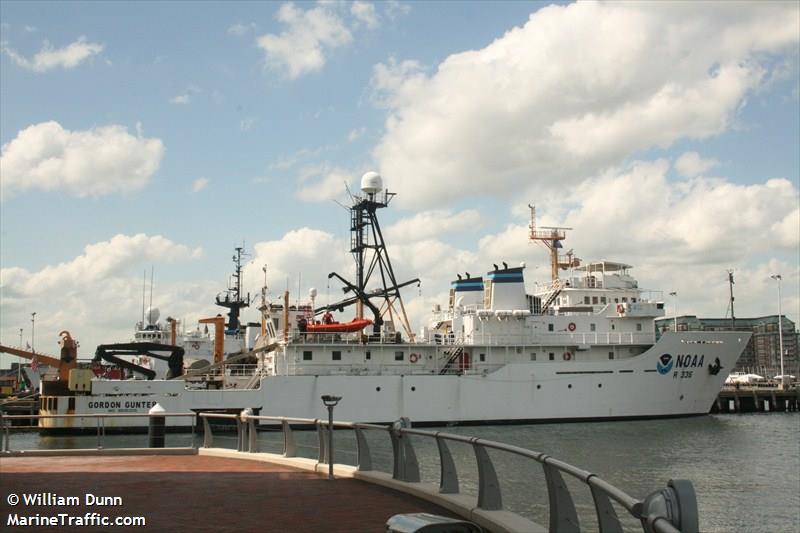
x=151 y=315
x=312 y=292
x=371 y=183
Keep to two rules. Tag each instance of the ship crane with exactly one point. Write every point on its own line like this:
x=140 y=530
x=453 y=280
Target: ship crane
x=67 y=361
x=551 y=237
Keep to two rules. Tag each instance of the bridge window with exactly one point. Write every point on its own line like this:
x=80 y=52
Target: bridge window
x=337 y=355
x=398 y=356
x=307 y=355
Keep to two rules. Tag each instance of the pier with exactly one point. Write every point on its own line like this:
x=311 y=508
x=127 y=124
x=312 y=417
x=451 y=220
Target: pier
x=757 y=400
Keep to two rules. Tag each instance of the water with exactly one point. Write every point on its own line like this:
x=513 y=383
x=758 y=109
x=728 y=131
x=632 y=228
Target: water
x=745 y=468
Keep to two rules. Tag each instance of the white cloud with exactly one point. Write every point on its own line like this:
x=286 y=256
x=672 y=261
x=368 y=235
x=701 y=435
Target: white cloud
x=355 y=134
x=246 y=124
x=240 y=29
x=439 y=224
x=49 y=58
x=100 y=261
x=309 y=34
x=181 y=99
x=365 y=13
x=93 y=162
x=199 y=184
x=542 y=103
x=319 y=183
x=690 y=164
x=395 y=9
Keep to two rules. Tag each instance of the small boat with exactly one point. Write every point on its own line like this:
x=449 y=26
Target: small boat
x=357 y=324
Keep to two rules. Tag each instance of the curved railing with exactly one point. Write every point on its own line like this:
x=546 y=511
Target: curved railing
x=669 y=510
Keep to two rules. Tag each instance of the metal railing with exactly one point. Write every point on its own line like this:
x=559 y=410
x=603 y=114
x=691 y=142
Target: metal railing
x=669 y=510
x=100 y=418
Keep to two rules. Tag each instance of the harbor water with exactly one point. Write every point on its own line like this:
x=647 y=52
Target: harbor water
x=745 y=468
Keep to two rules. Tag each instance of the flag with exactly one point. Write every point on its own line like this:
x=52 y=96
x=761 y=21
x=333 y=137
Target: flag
x=35 y=363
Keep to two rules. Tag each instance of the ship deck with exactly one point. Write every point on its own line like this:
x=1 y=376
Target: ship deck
x=203 y=494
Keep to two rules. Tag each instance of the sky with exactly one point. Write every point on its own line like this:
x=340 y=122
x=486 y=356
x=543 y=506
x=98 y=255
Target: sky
x=141 y=136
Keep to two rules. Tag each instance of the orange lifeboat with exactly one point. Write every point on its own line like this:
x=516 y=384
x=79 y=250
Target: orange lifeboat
x=357 y=324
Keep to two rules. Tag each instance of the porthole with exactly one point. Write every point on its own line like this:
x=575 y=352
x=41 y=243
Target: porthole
x=413 y=388
x=599 y=385
x=538 y=386
x=569 y=386
x=378 y=389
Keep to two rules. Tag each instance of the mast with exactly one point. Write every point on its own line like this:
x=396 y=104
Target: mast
x=232 y=298
x=371 y=258
x=730 y=283
x=551 y=237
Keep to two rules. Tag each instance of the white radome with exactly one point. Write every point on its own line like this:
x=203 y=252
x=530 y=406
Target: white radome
x=371 y=183
x=151 y=315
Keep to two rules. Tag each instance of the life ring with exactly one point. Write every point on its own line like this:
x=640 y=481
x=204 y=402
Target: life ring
x=571 y=326
x=196 y=345
x=620 y=309
x=413 y=358
x=567 y=356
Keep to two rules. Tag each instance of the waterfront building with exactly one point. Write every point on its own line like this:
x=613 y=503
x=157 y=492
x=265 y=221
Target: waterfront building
x=762 y=354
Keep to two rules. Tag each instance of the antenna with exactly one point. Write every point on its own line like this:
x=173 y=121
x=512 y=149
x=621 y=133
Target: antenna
x=232 y=298
x=144 y=286
x=150 y=312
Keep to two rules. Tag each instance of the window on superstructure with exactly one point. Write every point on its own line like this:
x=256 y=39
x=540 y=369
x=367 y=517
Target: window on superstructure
x=336 y=355
x=611 y=355
x=624 y=299
x=594 y=300
x=307 y=355
x=533 y=356
x=586 y=300
x=71 y=406
x=552 y=356
x=638 y=327
x=633 y=300
x=602 y=299
x=549 y=327
x=592 y=327
x=398 y=356
x=368 y=355
x=616 y=300
x=482 y=357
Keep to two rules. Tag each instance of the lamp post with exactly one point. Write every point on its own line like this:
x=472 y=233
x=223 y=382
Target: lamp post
x=675 y=311
x=778 y=278
x=33 y=332
x=330 y=402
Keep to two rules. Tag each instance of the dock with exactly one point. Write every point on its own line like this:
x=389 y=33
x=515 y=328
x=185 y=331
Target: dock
x=757 y=400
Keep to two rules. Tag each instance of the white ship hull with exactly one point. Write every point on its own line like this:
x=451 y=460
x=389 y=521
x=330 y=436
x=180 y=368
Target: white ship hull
x=637 y=387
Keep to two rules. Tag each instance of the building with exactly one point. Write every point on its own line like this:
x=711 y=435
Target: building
x=762 y=354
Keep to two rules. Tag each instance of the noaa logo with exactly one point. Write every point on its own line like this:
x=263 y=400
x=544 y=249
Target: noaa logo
x=664 y=364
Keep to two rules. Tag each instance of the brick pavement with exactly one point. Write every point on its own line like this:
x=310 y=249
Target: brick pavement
x=203 y=494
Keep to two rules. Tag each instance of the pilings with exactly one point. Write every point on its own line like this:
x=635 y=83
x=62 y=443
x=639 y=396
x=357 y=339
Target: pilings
x=757 y=400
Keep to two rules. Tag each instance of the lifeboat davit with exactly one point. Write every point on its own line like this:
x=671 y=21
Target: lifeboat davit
x=357 y=324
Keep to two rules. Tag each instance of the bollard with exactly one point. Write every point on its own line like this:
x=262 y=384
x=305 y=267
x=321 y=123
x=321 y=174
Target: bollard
x=157 y=427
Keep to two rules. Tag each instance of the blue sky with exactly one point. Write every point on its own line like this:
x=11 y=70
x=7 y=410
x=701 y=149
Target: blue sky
x=166 y=133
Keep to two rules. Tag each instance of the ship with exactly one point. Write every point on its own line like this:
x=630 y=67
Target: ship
x=581 y=347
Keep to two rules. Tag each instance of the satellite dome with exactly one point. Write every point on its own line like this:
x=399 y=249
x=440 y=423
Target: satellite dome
x=151 y=315
x=371 y=183
x=312 y=292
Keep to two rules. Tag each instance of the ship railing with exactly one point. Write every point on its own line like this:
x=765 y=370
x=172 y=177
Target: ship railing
x=672 y=509
x=561 y=338
x=6 y=426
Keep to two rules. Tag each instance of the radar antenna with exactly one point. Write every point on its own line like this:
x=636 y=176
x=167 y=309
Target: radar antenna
x=551 y=237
